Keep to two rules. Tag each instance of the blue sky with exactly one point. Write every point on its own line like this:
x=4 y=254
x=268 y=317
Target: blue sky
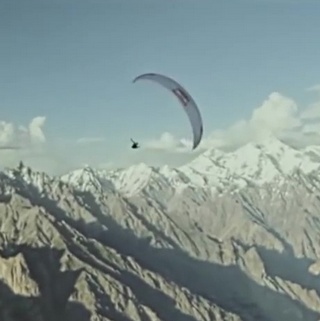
x=73 y=63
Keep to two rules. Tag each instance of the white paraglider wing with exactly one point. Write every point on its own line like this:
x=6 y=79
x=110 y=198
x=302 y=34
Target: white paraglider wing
x=185 y=99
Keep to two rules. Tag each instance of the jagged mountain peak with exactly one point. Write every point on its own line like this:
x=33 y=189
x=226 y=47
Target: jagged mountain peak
x=244 y=256
x=25 y=175
x=270 y=144
x=269 y=140
x=259 y=161
x=88 y=179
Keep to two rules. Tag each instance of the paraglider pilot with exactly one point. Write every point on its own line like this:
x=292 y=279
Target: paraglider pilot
x=134 y=145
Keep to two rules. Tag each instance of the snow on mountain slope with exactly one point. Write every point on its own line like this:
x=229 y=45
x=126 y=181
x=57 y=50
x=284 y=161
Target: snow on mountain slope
x=191 y=189
x=254 y=164
x=182 y=244
x=213 y=194
x=87 y=179
x=257 y=163
x=135 y=178
x=117 y=276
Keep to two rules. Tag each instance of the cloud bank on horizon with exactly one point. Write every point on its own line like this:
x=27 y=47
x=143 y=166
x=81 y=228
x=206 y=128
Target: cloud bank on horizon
x=278 y=115
x=21 y=136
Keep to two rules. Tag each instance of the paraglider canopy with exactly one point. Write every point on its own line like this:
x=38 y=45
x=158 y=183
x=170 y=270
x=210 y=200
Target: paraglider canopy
x=184 y=98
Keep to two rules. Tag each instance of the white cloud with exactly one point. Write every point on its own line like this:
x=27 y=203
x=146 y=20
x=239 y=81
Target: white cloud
x=21 y=142
x=35 y=130
x=314 y=88
x=6 y=133
x=311 y=113
x=22 y=137
x=167 y=142
x=278 y=115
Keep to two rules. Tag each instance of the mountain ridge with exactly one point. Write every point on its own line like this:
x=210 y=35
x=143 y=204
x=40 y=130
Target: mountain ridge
x=166 y=248
x=269 y=160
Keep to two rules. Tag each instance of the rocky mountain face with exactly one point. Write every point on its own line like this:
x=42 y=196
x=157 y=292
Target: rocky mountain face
x=229 y=236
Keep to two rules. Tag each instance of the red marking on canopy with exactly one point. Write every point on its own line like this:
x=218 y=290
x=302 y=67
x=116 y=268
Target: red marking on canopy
x=182 y=96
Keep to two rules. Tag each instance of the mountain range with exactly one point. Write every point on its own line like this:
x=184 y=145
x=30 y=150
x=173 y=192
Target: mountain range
x=229 y=236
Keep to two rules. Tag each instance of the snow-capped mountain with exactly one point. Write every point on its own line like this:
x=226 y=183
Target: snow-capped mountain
x=229 y=236
x=252 y=164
